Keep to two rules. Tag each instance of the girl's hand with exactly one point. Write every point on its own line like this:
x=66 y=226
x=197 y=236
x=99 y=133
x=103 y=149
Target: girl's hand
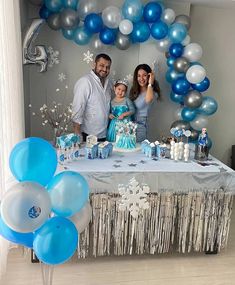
x=151 y=78
x=121 y=117
x=111 y=116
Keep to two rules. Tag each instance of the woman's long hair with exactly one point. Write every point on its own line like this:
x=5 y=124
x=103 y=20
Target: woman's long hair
x=135 y=89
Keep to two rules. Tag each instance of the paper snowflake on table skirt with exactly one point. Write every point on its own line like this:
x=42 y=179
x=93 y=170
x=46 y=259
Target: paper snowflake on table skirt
x=133 y=197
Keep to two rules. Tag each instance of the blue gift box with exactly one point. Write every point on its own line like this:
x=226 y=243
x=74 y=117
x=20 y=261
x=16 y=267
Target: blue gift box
x=150 y=150
x=143 y=145
x=91 y=151
x=103 y=151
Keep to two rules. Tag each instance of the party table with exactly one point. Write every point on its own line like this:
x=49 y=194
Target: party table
x=146 y=205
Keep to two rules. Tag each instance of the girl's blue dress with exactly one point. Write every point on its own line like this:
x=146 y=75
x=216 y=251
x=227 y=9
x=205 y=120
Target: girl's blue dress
x=116 y=110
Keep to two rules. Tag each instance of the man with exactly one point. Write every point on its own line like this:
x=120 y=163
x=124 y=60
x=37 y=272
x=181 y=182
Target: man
x=91 y=103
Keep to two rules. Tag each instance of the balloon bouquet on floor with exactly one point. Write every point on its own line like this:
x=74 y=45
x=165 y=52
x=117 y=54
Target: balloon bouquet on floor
x=42 y=211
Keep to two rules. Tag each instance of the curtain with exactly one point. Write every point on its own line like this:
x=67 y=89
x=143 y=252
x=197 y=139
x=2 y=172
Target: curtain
x=11 y=98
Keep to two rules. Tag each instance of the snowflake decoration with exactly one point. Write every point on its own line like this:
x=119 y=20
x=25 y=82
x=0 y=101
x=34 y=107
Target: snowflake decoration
x=61 y=77
x=88 y=57
x=134 y=197
x=129 y=78
x=52 y=56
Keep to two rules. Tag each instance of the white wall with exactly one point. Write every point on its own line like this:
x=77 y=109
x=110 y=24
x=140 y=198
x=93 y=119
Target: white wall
x=211 y=28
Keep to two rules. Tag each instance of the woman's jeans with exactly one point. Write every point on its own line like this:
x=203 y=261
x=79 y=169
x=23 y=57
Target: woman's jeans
x=141 y=133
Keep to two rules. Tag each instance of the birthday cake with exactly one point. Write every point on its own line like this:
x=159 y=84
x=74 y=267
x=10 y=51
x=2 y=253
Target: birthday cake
x=125 y=136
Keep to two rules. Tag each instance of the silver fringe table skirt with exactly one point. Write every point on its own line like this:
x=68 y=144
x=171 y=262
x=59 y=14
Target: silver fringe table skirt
x=183 y=222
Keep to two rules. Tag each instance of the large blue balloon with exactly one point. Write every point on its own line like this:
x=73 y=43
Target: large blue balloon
x=33 y=159
x=202 y=86
x=69 y=192
x=132 y=10
x=44 y=13
x=81 y=36
x=25 y=239
x=93 y=23
x=152 y=12
x=180 y=86
x=70 y=4
x=208 y=107
x=177 y=98
x=188 y=114
x=176 y=50
x=172 y=75
x=54 y=5
x=159 y=30
x=56 y=241
x=68 y=33
x=177 y=32
x=140 y=33
x=108 y=36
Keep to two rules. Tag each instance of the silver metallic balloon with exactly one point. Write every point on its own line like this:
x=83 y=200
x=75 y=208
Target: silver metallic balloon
x=111 y=17
x=194 y=135
x=82 y=219
x=183 y=19
x=86 y=7
x=122 y=42
x=163 y=45
x=96 y=44
x=69 y=18
x=193 y=99
x=177 y=113
x=53 y=21
x=199 y=122
x=180 y=124
x=181 y=64
x=36 y=54
x=168 y=16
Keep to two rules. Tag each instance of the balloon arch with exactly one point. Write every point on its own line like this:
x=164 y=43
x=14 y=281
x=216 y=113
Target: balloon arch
x=82 y=22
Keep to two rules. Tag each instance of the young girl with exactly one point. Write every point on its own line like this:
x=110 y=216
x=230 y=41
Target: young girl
x=121 y=108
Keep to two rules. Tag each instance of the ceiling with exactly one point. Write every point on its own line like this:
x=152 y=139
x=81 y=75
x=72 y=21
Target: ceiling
x=211 y=3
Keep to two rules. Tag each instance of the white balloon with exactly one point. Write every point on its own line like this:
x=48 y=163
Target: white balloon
x=186 y=40
x=126 y=27
x=193 y=52
x=25 y=207
x=111 y=17
x=195 y=74
x=199 y=122
x=168 y=16
x=82 y=219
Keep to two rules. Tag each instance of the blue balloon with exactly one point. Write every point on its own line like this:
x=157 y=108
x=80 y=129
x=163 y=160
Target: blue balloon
x=188 y=114
x=132 y=10
x=54 y=5
x=68 y=33
x=208 y=107
x=25 y=239
x=81 y=36
x=176 y=50
x=33 y=159
x=140 y=33
x=202 y=86
x=177 y=33
x=170 y=61
x=108 y=36
x=180 y=86
x=69 y=192
x=177 y=98
x=152 y=12
x=93 y=23
x=72 y=4
x=172 y=75
x=159 y=30
x=44 y=13
x=56 y=241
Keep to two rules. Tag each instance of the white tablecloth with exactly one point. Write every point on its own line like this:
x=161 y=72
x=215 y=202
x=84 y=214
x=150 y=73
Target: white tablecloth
x=104 y=175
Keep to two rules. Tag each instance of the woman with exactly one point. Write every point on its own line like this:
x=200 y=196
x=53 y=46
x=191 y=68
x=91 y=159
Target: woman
x=143 y=91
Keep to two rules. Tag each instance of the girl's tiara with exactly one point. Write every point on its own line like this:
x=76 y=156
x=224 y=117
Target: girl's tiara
x=119 y=81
